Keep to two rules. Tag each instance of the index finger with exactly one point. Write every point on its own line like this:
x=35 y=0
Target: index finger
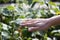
x=29 y=23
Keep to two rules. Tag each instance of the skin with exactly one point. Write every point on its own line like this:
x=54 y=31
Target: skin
x=41 y=24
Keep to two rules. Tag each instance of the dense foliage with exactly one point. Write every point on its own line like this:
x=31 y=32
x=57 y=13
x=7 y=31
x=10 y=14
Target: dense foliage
x=12 y=16
x=55 y=0
x=7 y=1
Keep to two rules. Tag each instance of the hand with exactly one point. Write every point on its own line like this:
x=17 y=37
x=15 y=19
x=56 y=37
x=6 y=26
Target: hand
x=37 y=24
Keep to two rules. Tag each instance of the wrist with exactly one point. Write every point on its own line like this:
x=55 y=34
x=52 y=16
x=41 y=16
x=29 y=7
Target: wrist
x=50 y=22
x=55 y=20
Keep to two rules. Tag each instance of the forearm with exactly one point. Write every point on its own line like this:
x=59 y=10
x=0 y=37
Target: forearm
x=55 y=20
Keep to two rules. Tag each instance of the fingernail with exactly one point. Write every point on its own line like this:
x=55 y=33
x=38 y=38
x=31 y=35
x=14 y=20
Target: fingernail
x=29 y=29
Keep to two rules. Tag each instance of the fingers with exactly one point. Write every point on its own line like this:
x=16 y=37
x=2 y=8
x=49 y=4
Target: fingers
x=33 y=29
x=29 y=23
x=32 y=21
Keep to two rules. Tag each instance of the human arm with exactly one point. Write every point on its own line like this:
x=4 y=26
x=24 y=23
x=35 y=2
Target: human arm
x=55 y=20
x=42 y=24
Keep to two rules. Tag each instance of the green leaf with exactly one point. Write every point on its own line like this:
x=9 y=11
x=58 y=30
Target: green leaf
x=36 y=0
x=22 y=16
x=10 y=7
x=0 y=26
x=41 y=3
x=26 y=33
x=56 y=9
x=5 y=1
x=52 y=3
x=29 y=1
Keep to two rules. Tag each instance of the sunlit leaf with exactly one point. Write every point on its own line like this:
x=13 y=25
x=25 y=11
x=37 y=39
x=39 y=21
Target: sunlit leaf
x=36 y=0
x=41 y=3
x=52 y=3
x=10 y=7
x=58 y=12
